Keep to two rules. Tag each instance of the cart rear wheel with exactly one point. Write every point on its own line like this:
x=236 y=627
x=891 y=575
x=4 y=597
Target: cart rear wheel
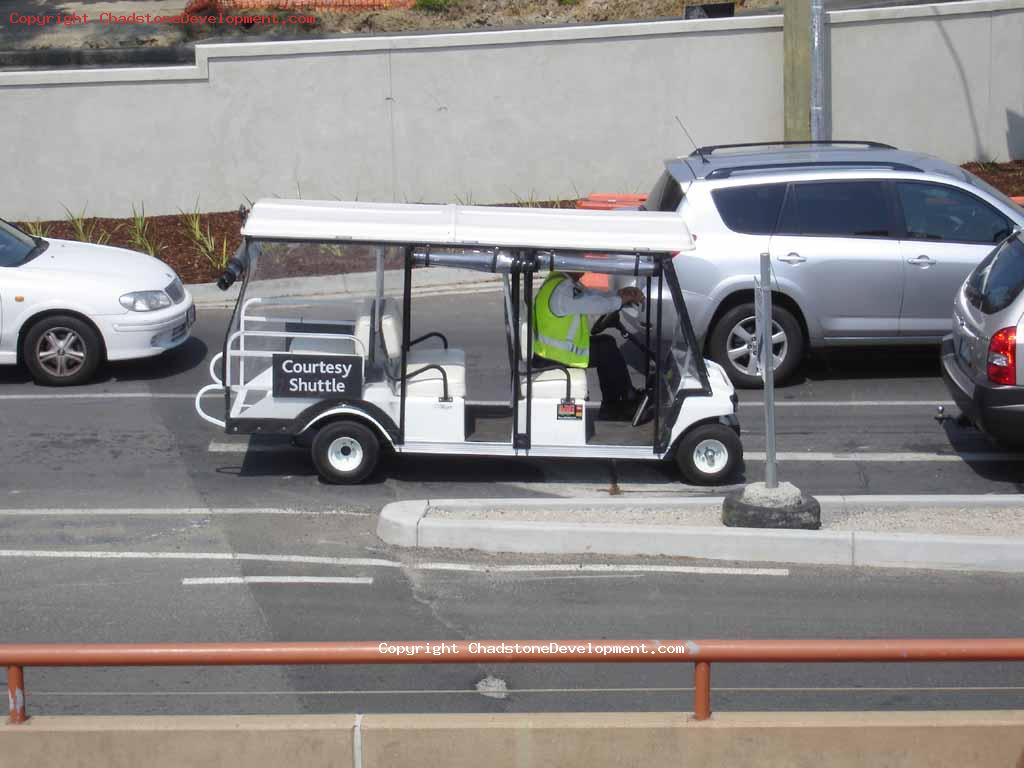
x=709 y=454
x=345 y=452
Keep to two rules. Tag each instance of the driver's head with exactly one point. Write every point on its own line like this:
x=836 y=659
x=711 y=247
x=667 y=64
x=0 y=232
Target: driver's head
x=574 y=276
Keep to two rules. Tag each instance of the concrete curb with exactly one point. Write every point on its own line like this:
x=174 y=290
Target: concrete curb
x=406 y=524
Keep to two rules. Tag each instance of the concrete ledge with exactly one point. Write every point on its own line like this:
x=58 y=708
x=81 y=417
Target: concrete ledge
x=593 y=740
x=729 y=740
x=317 y=741
x=409 y=524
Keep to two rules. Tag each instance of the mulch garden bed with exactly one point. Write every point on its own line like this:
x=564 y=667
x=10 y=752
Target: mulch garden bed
x=1006 y=177
x=174 y=244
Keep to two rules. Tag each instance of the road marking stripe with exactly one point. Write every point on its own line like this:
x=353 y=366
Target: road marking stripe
x=850 y=403
x=182 y=512
x=219 y=580
x=472 y=691
x=222 y=447
x=599 y=568
x=221 y=556
x=872 y=456
x=881 y=456
x=478 y=403
x=377 y=563
x=110 y=396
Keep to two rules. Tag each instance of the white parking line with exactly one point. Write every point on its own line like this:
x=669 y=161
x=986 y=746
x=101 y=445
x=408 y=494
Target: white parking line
x=850 y=403
x=1000 y=689
x=600 y=568
x=881 y=456
x=855 y=456
x=108 y=396
x=570 y=568
x=182 y=512
x=220 y=556
x=246 y=447
x=224 y=580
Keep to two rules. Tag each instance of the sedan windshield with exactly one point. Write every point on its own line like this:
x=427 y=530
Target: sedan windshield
x=15 y=245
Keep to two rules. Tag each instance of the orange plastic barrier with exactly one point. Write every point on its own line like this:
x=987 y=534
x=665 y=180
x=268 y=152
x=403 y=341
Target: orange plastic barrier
x=1018 y=200
x=604 y=201
x=700 y=653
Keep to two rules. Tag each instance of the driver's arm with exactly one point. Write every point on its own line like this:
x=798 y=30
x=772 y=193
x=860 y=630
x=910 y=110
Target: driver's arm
x=570 y=298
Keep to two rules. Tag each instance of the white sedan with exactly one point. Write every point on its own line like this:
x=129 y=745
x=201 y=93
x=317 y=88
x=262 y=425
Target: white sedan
x=66 y=306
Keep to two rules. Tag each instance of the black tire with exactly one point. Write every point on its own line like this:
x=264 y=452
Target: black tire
x=719 y=437
x=792 y=348
x=345 y=452
x=61 y=351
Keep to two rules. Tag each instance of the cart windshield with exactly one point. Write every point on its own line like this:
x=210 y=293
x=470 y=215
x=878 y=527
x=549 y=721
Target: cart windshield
x=682 y=371
x=312 y=304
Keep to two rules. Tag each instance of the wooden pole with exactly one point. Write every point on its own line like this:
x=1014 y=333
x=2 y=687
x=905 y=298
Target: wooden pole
x=796 y=40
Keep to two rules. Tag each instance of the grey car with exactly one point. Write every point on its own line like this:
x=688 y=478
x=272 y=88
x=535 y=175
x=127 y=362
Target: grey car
x=983 y=358
x=868 y=245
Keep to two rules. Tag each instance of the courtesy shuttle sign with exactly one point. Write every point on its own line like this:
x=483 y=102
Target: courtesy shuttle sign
x=323 y=377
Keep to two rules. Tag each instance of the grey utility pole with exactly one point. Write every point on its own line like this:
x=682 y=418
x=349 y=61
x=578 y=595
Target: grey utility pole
x=764 y=330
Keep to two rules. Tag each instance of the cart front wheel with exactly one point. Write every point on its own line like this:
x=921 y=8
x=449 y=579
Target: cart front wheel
x=345 y=452
x=709 y=454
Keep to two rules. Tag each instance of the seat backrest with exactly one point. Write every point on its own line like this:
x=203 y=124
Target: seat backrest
x=389 y=338
x=391 y=330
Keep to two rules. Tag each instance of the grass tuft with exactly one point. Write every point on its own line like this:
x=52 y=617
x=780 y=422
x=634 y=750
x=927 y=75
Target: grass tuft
x=138 y=232
x=86 y=230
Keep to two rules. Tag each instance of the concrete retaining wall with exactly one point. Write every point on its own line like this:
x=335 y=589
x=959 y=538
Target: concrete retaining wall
x=652 y=740
x=491 y=116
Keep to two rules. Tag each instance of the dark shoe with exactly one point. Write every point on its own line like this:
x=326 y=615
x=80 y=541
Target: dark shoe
x=618 y=410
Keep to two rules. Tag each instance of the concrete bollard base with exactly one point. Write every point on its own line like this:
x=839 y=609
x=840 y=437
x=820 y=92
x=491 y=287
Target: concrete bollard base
x=757 y=506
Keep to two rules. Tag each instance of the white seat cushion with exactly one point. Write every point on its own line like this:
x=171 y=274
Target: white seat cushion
x=430 y=383
x=324 y=346
x=436 y=357
x=549 y=383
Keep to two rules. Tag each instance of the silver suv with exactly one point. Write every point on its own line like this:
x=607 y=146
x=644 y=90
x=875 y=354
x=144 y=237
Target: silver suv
x=983 y=359
x=868 y=245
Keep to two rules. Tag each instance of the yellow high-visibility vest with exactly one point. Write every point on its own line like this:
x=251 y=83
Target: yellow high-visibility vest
x=564 y=339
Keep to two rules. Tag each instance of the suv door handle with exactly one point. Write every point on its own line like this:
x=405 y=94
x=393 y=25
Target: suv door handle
x=792 y=258
x=921 y=261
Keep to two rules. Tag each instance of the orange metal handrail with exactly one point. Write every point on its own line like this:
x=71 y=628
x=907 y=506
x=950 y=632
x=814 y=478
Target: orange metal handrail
x=700 y=653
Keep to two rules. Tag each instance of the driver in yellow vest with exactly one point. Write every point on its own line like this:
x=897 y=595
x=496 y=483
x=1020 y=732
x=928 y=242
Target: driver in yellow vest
x=562 y=334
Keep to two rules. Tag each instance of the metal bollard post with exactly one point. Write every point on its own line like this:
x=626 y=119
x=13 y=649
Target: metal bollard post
x=16 y=695
x=771 y=479
x=702 y=690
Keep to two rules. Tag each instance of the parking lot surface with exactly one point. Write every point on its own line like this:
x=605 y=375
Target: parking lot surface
x=857 y=422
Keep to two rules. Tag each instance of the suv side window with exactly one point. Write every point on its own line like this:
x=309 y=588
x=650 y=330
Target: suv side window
x=998 y=280
x=938 y=212
x=836 y=209
x=752 y=210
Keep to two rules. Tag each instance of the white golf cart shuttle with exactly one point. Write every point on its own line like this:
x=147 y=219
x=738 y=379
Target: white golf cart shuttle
x=320 y=353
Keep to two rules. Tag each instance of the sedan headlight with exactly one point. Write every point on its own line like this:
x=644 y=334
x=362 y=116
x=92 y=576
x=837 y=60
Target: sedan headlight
x=145 y=301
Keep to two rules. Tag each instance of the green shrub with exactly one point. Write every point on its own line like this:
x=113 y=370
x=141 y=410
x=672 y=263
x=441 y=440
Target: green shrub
x=433 y=6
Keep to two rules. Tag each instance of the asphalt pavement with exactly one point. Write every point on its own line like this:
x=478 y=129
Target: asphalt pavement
x=124 y=517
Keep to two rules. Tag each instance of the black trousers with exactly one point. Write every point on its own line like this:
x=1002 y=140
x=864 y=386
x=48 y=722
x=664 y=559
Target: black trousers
x=611 y=368
x=612 y=373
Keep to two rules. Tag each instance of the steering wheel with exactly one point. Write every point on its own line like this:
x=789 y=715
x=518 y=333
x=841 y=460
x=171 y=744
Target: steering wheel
x=604 y=322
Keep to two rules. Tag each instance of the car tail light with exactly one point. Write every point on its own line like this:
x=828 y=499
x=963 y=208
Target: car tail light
x=1002 y=357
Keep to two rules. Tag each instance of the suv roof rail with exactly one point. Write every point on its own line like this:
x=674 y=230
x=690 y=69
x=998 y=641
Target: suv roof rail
x=701 y=151
x=724 y=173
